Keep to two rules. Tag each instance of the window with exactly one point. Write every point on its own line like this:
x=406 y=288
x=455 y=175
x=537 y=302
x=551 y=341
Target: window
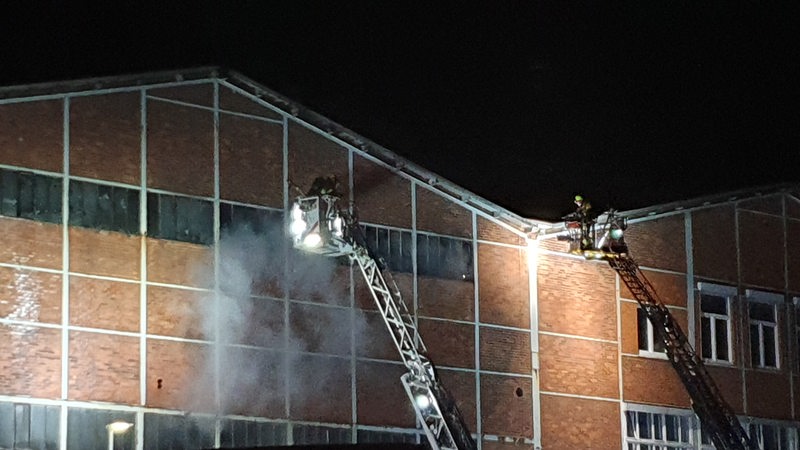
x=444 y=257
x=30 y=196
x=650 y=344
x=715 y=322
x=237 y=218
x=762 y=312
x=649 y=430
x=394 y=246
x=170 y=431
x=103 y=207
x=27 y=426
x=180 y=218
x=774 y=436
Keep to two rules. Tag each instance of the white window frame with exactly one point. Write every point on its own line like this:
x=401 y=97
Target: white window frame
x=650 y=336
x=774 y=300
x=729 y=293
x=637 y=442
x=792 y=433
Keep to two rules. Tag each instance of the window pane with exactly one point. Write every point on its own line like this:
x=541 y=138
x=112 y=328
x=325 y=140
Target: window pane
x=641 y=324
x=644 y=422
x=714 y=304
x=770 y=359
x=762 y=311
x=630 y=422
x=705 y=326
x=658 y=342
x=755 y=346
x=672 y=427
x=657 y=427
x=770 y=438
x=722 y=339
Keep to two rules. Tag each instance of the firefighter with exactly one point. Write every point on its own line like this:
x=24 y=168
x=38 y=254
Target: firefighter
x=325 y=186
x=583 y=212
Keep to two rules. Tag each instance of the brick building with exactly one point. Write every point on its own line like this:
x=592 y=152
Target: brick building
x=145 y=276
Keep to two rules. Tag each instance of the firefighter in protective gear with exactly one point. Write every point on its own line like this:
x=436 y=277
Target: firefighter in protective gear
x=325 y=186
x=583 y=212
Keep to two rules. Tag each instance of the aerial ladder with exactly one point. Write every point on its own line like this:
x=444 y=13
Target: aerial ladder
x=606 y=242
x=319 y=226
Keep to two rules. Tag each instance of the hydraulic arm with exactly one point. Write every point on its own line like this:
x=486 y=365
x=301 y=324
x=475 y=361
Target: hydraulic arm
x=716 y=416
x=320 y=227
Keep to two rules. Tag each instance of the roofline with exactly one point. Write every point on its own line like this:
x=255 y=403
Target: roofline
x=392 y=159
x=109 y=82
x=522 y=225
x=713 y=199
x=682 y=206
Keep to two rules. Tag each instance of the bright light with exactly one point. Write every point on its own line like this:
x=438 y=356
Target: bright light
x=119 y=427
x=337 y=226
x=423 y=401
x=616 y=234
x=298 y=226
x=297 y=213
x=312 y=240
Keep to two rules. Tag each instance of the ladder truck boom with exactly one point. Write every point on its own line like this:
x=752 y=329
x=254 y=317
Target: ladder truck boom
x=319 y=226
x=606 y=243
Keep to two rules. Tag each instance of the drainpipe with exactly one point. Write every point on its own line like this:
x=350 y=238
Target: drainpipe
x=533 y=286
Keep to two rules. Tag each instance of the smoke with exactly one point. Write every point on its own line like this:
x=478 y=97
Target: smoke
x=262 y=351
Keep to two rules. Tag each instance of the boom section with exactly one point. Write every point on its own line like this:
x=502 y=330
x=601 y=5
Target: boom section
x=318 y=226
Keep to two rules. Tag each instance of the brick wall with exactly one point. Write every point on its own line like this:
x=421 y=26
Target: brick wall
x=99 y=371
x=714 y=243
x=761 y=248
x=578 y=366
x=506 y=405
x=767 y=394
x=658 y=243
x=577 y=297
x=250 y=161
x=31 y=134
x=504 y=293
x=105 y=136
x=436 y=214
x=180 y=148
x=381 y=196
x=570 y=423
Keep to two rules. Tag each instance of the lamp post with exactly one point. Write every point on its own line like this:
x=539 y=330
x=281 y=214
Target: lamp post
x=114 y=428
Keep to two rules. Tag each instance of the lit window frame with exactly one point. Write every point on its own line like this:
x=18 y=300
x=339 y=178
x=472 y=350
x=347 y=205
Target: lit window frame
x=729 y=293
x=650 y=336
x=774 y=300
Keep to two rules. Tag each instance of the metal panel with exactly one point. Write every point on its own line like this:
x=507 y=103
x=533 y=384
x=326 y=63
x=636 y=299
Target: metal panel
x=245 y=433
x=33 y=427
x=172 y=432
x=312 y=434
x=385 y=437
x=86 y=429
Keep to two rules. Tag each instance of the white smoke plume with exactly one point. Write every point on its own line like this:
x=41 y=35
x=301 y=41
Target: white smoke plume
x=257 y=359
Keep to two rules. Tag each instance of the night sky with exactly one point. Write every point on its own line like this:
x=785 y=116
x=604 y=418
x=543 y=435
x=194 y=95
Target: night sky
x=524 y=103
